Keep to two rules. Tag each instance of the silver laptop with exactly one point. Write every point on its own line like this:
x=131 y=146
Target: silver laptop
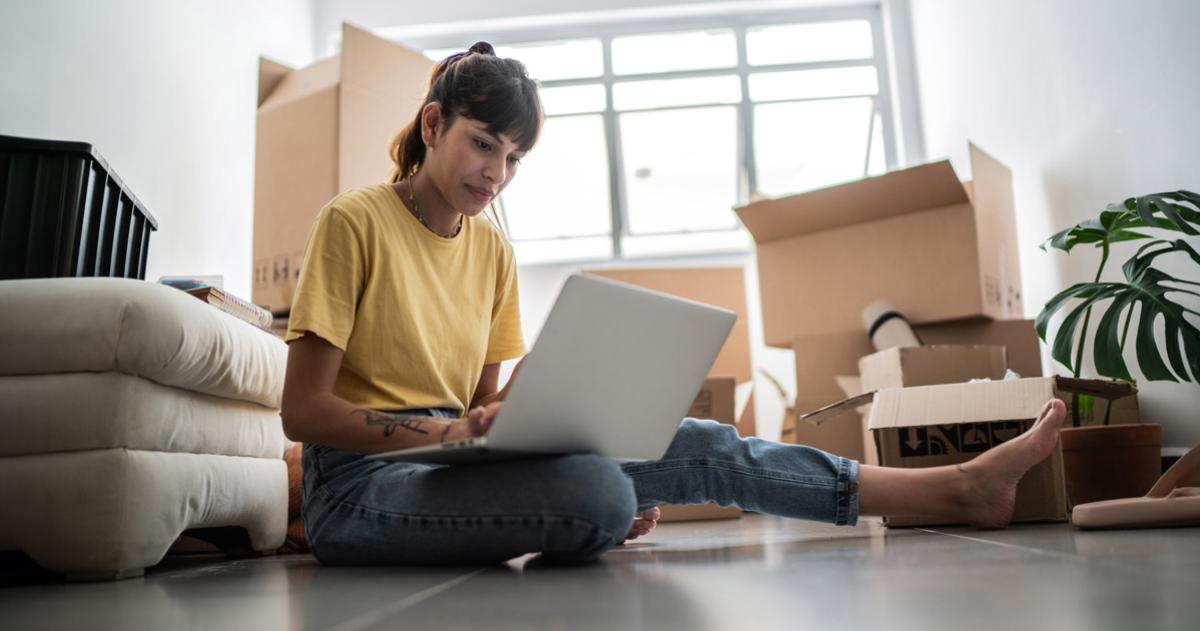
x=613 y=372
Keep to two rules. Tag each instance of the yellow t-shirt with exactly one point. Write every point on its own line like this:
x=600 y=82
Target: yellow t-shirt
x=417 y=315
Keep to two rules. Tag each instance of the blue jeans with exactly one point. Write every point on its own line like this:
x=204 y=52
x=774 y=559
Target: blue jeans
x=569 y=508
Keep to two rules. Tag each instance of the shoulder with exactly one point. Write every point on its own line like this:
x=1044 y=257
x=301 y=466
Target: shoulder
x=492 y=238
x=362 y=205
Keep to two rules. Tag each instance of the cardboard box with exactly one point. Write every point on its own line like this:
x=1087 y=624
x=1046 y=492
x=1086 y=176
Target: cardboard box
x=928 y=426
x=723 y=287
x=913 y=237
x=716 y=401
x=924 y=366
x=321 y=130
x=822 y=359
x=1019 y=337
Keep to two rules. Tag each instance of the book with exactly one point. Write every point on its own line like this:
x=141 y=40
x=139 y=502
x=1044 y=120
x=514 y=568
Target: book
x=234 y=306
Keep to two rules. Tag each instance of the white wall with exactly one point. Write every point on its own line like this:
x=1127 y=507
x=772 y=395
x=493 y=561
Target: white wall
x=166 y=91
x=1089 y=102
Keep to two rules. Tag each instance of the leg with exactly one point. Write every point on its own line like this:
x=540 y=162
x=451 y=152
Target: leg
x=980 y=492
x=360 y=512
x=708 y=461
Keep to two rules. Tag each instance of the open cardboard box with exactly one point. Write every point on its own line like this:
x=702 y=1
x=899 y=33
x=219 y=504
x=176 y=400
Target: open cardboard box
x=822 y=359
x=929 y=426
x=886 y=237
x=321 y=130
x=924 y=366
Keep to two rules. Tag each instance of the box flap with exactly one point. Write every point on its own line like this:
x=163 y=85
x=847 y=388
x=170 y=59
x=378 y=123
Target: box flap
x=371 y=63
x=917 y=188
x=270 y=73
x=837 y=410
x=1015 y=399
x=1101 y=388
x=302 y=83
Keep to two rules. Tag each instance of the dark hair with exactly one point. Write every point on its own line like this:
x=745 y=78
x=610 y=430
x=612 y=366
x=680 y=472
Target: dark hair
x=478 y=85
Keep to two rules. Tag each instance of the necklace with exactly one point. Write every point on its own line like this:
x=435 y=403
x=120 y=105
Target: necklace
x=412 y=201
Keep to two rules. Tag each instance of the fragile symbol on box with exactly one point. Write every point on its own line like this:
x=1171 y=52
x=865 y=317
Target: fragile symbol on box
x=966 y=438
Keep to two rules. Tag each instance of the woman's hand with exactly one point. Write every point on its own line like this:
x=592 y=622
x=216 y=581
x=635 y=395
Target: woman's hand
x=476 y=423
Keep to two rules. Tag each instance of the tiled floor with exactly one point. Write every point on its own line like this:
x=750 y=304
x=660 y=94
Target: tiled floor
x=756 y=573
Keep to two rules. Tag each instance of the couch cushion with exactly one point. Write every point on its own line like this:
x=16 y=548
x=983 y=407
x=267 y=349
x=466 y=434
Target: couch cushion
x=77 y=411
x=57 y=325
x=108 y=513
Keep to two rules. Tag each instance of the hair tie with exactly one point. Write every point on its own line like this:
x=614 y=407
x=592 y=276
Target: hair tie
x=483 y=48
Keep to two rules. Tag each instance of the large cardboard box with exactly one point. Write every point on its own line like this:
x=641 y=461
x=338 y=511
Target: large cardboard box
x=924 y=366
x=321 y=130
x=723 y=287
x=821 y=359
x=913 y=237
x=929 y=426
x=716 y=401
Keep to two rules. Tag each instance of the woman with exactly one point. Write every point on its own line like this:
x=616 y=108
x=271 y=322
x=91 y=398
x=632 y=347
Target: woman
x=407 y=304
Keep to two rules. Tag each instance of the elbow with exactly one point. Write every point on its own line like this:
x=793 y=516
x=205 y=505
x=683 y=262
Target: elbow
x=293 y=423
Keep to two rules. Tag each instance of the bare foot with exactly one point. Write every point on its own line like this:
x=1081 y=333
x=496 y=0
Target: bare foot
x=643 y=523
x=990 y=480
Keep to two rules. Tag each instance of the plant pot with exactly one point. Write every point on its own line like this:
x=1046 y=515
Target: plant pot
x=1104 y=462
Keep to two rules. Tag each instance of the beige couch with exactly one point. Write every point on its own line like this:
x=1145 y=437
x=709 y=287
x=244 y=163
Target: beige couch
x=129 y=412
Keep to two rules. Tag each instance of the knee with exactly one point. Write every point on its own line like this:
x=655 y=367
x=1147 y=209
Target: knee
x=603 y=496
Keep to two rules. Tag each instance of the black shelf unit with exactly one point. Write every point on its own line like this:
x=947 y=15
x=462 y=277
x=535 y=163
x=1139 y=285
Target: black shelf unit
x=64 y=212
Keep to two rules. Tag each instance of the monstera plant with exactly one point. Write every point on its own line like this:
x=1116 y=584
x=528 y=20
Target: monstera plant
x=1154 y=295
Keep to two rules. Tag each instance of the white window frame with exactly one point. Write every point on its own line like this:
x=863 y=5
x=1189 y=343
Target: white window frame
x=739 y=22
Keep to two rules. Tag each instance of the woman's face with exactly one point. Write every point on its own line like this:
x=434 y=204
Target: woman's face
x=469 y=166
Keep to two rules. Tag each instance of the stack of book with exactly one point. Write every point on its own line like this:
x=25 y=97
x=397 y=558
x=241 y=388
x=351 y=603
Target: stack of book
x=223 y=300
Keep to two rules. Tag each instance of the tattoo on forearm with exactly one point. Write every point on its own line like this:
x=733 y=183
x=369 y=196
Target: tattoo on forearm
x=389 y=422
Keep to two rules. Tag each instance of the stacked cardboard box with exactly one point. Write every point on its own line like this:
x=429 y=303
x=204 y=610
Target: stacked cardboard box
x=731 y=373
x=940 y=250
x=321 y=130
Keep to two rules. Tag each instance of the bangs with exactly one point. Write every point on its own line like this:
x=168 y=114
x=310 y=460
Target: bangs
x=510 y=106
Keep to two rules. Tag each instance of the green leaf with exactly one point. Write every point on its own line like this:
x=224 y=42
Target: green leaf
x=1172 y=213
x=1149 y=360
x=1087 y=404
x=1107 y=351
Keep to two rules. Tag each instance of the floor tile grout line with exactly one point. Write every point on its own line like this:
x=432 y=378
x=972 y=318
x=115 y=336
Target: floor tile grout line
x=375 y=616
x=1073 y=557
x=1002 y=544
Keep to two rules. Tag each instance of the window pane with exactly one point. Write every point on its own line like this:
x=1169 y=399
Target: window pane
x=680 y=169
x=561 y=187
x=667 y=52
x=815 y=41
x=877 y=161
x=546 y=61
x=578 y=249
x=694 y=243
x=809 y=84
x=636 y=95
x=807 y=145
x=575 y=99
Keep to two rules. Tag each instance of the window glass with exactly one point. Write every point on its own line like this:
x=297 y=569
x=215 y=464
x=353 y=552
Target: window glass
x=810 y=42
x=680 y=169
x=669 y=52
x=810 y=144
x=635 y=95
x=561 y=187
x=810 y=84
x=575 y=99
x=546 y=61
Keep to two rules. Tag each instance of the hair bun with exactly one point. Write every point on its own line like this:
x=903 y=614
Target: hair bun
x=483 y=48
